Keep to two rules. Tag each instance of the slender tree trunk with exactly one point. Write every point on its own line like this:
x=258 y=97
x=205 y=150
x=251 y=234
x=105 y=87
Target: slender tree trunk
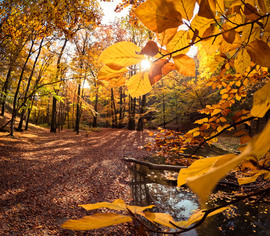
x=77 y=124
x=14 y=111
x=132 y=112
x=54 y=106
x=28 y=86
x=95 y=107
x=142 y=110
x=29 y=113
x=112 y=110
x=120 y=124
x=5 y=90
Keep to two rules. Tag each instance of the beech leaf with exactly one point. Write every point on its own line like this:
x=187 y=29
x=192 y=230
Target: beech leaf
x=96 y=221
x=261 y=101
x=259 y=52
x=155 y=71
x=158 y=15
x=185 y=65
x=150 y=49
x=122 y=54
x=139 y=84
x=107 y=73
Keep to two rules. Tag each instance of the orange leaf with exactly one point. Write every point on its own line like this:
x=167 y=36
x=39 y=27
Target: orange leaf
x=245 y=139
x=259 y=52
x=205 y=9
x=167 y=68
x=228 y=35
x=166 y=36
x=158 y=15
x=155 y=71
x=185 y=65
x=150 y=49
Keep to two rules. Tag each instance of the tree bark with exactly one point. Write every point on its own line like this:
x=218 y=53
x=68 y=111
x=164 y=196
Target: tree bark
x=77 y=124
x=54 y=105
x=28 y=86
x=4 y=91
x=14 y=111
x=155 y=166
x=96 y=105
x=142 y=110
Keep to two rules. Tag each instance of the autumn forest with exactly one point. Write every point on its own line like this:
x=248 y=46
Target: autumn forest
x=101 y=122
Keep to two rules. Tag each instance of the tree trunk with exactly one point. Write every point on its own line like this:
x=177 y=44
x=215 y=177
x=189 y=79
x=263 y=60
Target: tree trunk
x=131 y=113
x=54 y=106
x=77 y=124
x=95 y=107
x=29 y=113
x=142 y=110
x=14 y=111
x=4 y=91
x=120 y=124
x=28 y=86
x=54 y=114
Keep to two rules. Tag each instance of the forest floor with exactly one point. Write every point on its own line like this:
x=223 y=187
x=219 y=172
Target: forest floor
x=45 y=176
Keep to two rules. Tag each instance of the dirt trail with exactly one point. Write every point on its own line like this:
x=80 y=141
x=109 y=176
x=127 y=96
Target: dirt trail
x=45 y=176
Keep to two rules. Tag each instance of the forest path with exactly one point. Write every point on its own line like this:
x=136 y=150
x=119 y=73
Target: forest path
x=45 y=176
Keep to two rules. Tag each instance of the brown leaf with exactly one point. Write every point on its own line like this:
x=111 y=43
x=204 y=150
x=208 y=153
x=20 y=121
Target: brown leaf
x=167 y=68
x=250 y=12
x=228 y=34
x=155 y=71
x=206 y=8
x=259 y=52
x=150 y=49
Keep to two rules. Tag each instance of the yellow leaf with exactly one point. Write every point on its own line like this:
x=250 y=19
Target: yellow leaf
x=122 y=54
x=201 y=121
x=203 y=184
x=201 y=24
x=107 y=73
x=250 y=179
x=261 y=101
x=138 y=209
x=197 y=216
x=261 y=143
x=237 y=97
x=139 y=84
x=165 y=37
x=179 y=42
x=117 y=204
x=158 y=15
x=242 y=62
x=96 y=221
x=117 y=82
x=160 y=218
x=185 y=65
x=197 y=168
x=186 y=8
x=216 y=111
x=238 y=83
x=259 y=52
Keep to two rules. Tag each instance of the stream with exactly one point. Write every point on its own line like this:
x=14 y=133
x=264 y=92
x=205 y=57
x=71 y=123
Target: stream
x=151 y=187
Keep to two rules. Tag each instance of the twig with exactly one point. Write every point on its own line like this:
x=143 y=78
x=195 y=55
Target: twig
x=217 y=134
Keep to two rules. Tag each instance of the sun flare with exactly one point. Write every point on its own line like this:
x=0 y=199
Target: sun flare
x=145 y=65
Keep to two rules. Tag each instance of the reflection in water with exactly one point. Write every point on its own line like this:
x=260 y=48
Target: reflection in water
x=149 y=187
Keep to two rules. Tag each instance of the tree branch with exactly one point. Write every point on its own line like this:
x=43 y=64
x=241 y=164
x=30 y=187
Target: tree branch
x=217 y=134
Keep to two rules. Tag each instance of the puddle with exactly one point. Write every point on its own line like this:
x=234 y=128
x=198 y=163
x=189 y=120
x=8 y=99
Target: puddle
x=151 y=187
